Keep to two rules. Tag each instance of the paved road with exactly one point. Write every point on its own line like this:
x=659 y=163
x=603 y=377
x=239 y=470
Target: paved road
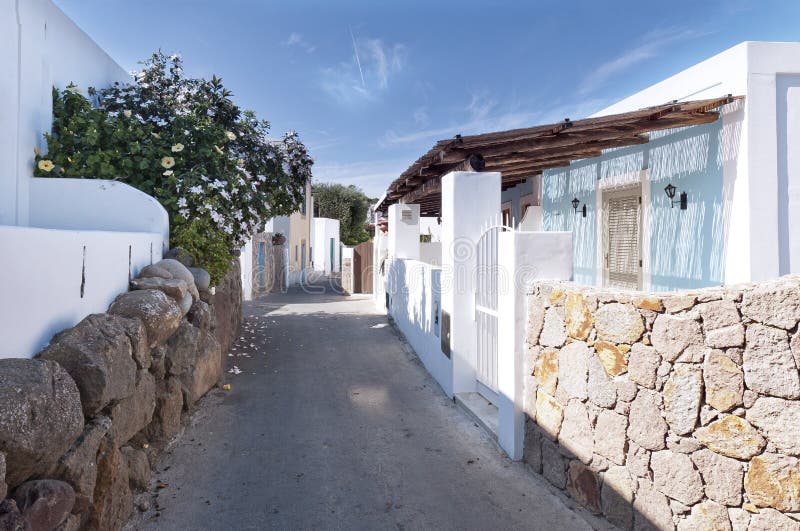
x=333 y=424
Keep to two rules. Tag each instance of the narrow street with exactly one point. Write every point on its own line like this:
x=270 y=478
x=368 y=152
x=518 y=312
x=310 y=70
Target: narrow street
x=333 y=423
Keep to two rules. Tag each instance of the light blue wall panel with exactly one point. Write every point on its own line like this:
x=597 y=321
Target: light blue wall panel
x=687 y=247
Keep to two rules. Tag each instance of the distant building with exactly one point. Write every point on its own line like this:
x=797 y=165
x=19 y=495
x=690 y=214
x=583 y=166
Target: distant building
x=326 y=248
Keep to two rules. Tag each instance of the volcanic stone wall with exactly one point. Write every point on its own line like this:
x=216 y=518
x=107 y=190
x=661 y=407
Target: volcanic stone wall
x=668 y=411
x=82 y=423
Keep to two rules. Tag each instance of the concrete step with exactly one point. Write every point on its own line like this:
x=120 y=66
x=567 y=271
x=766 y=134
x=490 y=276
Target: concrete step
x=480 y=410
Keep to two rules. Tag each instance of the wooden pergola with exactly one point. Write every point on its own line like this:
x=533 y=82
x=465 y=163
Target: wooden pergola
x=523 y=153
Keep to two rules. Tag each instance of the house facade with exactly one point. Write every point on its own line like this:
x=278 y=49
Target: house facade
x=267 y=267
x=326 y=247
x=691 y=183
x=740 y=175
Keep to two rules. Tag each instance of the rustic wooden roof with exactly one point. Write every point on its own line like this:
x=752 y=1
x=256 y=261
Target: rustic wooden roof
x=523 y=153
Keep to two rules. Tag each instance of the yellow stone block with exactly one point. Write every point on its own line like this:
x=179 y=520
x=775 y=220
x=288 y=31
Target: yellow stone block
x=612 y=358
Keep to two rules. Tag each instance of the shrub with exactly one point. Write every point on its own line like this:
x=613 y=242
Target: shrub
x=183 y=141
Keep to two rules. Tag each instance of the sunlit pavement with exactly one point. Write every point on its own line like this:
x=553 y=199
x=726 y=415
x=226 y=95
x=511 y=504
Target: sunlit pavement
x=332 y=423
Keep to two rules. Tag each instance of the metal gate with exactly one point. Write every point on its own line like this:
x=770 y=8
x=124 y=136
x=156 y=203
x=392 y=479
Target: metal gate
x=487 y=289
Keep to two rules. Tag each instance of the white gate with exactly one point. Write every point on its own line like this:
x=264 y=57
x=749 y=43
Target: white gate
x=487 y=289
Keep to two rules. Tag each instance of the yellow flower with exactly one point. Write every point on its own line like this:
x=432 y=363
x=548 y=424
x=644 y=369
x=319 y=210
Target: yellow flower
x=46 y=165
x=127 y=113
x=231 y=136
x=219 y=150
x=167 y=173
x=177 y=148
x=167 y=162
x=36 y=152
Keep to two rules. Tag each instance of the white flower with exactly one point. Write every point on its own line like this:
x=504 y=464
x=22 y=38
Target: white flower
x=196 y=190
x=182 y=202
x=127 y=113
x=167 y=173
x=230 y=135
x=177 y=148
x=167 y=162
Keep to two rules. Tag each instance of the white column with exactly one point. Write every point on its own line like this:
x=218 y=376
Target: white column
x=404 y=231
x=378 y=253
x=469 y=201
x=522 y=258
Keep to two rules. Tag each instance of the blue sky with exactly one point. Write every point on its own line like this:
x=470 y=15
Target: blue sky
x=371 y=85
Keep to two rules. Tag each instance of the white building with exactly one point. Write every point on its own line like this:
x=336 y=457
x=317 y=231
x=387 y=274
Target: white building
x=740 y=174
x=326 y=249
x=692 y=182
x=69 y=245
x=296 y=248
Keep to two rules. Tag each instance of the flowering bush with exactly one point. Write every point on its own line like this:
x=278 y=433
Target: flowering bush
x=183 y=141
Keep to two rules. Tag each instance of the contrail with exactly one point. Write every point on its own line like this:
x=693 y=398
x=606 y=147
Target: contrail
x=358 y=61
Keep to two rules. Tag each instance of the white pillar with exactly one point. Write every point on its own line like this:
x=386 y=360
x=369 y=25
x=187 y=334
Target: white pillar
x=378 y=254
x=404 y=231
x=469 y=201
x=522 y=258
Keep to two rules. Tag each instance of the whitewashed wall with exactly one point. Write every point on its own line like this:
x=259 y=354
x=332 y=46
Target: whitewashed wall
x=95 y=204
x=414 y=289
x=762 y=180
x=44 y=273
x=431 y=253
x=323 y=230
x=40 y=47
x=69 y=245
x=246 y=261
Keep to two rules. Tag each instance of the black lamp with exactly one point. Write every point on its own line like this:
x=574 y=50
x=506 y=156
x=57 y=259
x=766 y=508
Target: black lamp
x=670 y=191
x=575 y=203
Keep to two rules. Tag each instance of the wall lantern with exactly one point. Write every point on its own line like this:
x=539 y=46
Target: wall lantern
x=575 y=203
x=670 y=190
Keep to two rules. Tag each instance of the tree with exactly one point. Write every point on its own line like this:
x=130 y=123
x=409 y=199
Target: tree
x=349 y=205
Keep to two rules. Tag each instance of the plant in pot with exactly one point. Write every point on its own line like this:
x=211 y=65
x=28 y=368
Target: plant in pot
x=278 y=239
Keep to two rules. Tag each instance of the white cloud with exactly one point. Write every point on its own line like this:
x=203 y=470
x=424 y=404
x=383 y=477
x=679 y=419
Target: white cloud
x=652 y=45
x=367 y=74
x=297 y=40
x=421 y=117
x=484 y=117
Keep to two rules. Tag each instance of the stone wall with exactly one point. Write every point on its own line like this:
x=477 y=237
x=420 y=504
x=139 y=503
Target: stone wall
x=668 y=411
x=82 y=423
x=227 y=301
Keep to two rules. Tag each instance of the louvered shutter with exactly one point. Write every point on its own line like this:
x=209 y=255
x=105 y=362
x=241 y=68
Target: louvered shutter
x=623 y=242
